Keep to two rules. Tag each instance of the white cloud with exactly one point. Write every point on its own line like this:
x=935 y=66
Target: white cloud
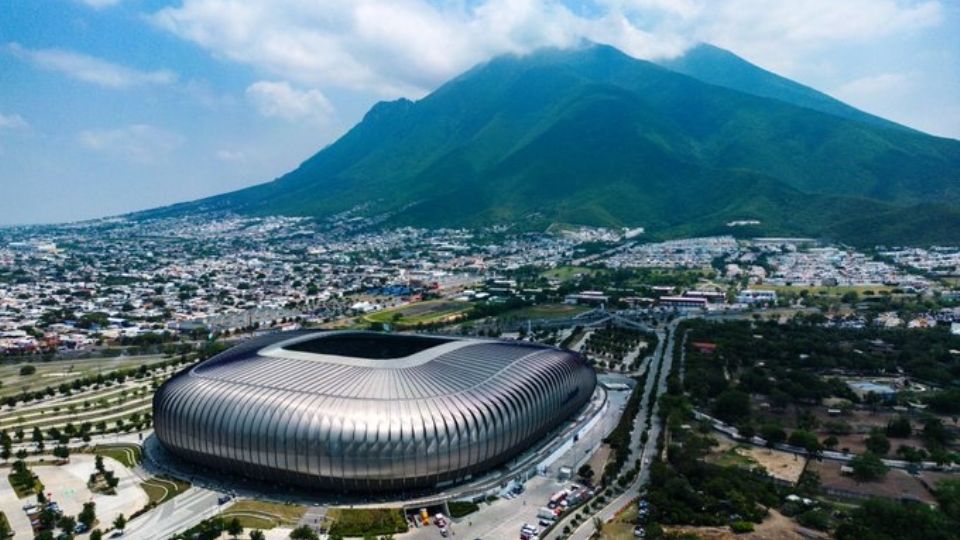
x=139 y=143
x=392 y=47
x=90 y=69
x=866 y=87
x=12 y=121
x=407 y=47
x=779 y=35
x=100 y=4
x=280 y=100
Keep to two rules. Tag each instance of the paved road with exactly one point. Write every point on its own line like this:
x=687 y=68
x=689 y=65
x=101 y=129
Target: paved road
x=12 y=507
x=174 y=516
x=657 y=385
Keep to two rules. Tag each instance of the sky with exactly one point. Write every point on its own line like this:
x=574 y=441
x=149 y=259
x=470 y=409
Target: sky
x=111 y=106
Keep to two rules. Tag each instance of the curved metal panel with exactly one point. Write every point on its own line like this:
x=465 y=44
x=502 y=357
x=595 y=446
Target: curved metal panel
x=369 y=425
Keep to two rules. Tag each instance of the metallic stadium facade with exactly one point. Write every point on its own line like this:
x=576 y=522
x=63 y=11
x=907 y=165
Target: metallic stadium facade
x=356 y=411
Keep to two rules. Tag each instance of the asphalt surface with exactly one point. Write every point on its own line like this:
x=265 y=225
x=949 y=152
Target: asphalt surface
x=646 y=454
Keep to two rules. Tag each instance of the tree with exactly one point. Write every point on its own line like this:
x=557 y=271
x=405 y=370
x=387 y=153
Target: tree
x=5 y=530
x=234 y=528
x=303 y=533
x=585 y=471
x=98 y=462
x=62 y=452
x=67 y=524
x=948 y=495
x=831 y=442
x=7 y=449
x=773 y=434
x=899 y=427
x=257 y=534
x=96 y=534
x=732 y=406
x=868 y=467
x=880 y=519
x=877 y=443
x=88 y=515
x=935 y=434
x=120 y=523
x=805 y=440
x=37 y=437
x=815 y=519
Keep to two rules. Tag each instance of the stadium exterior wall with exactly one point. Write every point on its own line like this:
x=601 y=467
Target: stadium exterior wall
x=377 y=425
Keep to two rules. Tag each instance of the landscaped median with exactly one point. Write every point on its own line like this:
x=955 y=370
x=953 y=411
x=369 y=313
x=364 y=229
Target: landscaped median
x=361 y=521
x=161 y=489
x=130 y=455
x=264 y=515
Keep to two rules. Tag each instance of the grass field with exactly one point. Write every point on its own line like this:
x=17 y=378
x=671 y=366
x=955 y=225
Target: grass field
x=128 y=454
x=251 y=522
x=544 y=311
x=566 y=273
x=162 y=489
x=430 y=312
x=265 y=515
x=826 y=291
x=733 y=458
x=54 y=372
x=360 y=521
x=621 y=526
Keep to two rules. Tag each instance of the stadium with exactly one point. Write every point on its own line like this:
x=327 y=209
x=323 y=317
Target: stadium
x=368 y=412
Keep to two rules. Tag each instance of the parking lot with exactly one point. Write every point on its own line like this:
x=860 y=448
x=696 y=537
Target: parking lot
x=503 y=518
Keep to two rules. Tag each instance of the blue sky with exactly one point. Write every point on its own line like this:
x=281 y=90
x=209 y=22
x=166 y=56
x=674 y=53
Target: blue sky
x=109 y=106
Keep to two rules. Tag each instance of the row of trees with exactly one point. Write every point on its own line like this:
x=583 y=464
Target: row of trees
x=96 y=381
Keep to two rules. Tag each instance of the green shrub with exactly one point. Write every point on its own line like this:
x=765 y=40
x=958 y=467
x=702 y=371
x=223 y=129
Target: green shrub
x=361 y=521
x=741 y=527
x=815 y=519
x=462 y=508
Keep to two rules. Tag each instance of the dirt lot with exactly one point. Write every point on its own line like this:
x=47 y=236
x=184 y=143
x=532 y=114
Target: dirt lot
x=775 y=527
x=599 y=460
x=895 y=485
x=782 y=465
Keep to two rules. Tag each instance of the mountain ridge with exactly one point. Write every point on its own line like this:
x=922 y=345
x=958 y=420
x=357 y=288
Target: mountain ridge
x=596 y=137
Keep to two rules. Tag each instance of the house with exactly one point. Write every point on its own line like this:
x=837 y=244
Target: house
x=586 y=297
x=682 y=302
x=756 y=296
x=703 y=347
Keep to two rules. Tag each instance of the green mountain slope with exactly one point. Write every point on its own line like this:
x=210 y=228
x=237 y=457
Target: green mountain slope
x=593 y=136
x=723 y=68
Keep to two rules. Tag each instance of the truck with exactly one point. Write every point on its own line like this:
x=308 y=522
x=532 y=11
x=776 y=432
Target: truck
x=546 y=513
x=557 y=498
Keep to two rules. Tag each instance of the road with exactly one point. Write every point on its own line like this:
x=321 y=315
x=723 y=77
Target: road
x=175 y=515
x=663 y=356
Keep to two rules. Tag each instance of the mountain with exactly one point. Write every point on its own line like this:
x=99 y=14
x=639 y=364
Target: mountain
x=593 y=136
x=723 y=68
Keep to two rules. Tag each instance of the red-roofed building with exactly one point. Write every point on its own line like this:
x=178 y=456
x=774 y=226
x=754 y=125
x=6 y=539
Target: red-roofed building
x=703 y=347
